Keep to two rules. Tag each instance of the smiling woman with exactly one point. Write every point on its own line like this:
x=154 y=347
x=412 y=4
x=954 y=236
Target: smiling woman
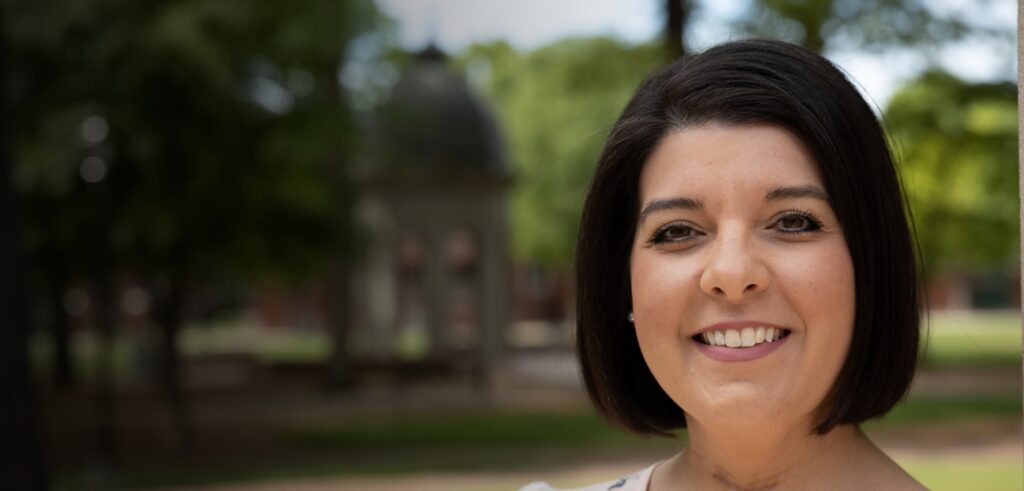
x=761 y=240
x=745 y=269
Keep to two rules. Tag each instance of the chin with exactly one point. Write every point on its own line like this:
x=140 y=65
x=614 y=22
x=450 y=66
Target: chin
x=741 y=405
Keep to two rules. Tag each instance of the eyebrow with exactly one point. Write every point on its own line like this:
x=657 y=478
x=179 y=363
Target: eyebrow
x=775 y=194
x=809 y=191
x=666 y=204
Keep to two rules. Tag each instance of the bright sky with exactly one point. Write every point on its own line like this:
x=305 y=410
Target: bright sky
x=527 y=24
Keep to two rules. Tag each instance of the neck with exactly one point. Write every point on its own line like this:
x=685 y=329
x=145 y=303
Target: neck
x=762 y=458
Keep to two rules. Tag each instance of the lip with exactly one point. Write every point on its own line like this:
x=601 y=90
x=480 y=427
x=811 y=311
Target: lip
x=727 y=354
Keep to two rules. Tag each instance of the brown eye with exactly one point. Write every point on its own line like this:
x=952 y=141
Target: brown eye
x=673 y=233
x=796 y=223
x=793 y=222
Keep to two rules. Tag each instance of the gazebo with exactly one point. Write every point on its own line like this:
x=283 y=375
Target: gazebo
x=430 y=289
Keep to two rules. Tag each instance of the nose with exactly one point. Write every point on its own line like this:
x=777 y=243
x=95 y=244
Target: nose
x=734 y=271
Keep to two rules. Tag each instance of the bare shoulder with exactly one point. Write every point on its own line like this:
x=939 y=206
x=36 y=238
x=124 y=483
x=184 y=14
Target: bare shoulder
x=902 y=480
x=896 y=479
x=881 y=472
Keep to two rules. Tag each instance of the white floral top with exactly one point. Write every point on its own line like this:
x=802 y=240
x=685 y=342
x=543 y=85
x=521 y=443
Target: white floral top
x=636 y=481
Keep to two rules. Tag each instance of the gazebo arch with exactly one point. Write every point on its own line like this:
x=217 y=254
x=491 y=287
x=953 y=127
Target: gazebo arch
x=434 y=168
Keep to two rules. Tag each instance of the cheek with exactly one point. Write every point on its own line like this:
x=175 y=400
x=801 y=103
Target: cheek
x=663 y=304
x=661 y=287
x=820 y=280
x=839 y=283
x=660 y=300
x=822 y=290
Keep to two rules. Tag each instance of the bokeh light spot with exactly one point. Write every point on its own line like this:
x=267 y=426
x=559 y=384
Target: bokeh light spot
x=93 y=169
x=76 y=302
x=95 y=129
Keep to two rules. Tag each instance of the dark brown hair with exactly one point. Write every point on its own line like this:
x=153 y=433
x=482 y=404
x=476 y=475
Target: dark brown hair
x=747 y=82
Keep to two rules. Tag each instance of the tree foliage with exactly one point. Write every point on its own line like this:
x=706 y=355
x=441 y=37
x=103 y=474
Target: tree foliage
x=556 y=106
x=222 y=121
x=958 y=142
x=182 y=142
x=821 y=25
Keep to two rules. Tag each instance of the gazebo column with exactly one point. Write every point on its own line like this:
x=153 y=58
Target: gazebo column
x=381 y=295
x=438 y=284
x=492 y=301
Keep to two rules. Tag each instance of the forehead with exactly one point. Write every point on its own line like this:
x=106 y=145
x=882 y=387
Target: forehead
x=710 y=159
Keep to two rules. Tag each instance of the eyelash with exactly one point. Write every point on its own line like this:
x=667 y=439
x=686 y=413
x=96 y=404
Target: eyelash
x=813 y=222
x=659 y=237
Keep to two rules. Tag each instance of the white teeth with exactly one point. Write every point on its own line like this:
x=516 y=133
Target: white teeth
x=746 y=337
x=732 y=338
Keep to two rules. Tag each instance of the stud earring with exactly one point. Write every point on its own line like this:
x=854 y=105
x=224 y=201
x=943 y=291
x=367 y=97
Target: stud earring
x=629 y=317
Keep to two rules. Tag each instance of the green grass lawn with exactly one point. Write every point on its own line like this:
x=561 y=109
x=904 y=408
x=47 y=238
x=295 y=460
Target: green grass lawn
x=505 y=440
x=583 y=428
x=974 y=474
x=973 y=340
x=575 y=428
x=948 y=409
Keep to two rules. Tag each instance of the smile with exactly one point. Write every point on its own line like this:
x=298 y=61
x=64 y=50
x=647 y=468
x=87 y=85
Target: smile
x=743 y=344
x=741 y=338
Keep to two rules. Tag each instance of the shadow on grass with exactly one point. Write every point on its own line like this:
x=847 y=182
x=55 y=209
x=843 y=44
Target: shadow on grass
x=502 y=441
x=584 y=428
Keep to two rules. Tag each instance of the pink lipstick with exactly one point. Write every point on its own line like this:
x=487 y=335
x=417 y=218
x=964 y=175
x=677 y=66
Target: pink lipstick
x=727 y=354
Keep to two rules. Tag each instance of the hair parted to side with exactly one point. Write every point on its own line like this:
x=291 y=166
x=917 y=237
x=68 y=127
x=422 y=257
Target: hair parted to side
x=746 y=82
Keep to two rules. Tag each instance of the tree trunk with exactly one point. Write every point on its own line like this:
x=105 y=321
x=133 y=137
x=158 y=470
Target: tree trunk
x=60 y=330
x=23 y=466
x=106 y=407
x=339 y=369
x=677 y=14
x=169 y=318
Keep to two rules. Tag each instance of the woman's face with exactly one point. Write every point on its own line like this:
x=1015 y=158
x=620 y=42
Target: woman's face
x=736 y=241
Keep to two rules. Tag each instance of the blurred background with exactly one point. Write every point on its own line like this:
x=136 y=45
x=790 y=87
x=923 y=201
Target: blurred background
x=327 y=244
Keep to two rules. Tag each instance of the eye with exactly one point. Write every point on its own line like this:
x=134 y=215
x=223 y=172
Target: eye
x=798 y=222
x=673 y=233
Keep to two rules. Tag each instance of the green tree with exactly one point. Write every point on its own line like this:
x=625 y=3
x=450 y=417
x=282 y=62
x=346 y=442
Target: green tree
x=958 y=143
x=188 y=142
x=23 y=467
x=822 y=25
x=556 y=106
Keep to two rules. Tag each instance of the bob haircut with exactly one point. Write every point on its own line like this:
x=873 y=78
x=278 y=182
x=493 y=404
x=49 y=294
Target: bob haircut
x=737 y=83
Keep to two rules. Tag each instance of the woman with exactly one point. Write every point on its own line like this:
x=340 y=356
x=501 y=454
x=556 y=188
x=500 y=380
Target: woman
x=745 y=269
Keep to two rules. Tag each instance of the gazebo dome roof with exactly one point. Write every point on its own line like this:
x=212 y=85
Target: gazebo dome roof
x=433 y=123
